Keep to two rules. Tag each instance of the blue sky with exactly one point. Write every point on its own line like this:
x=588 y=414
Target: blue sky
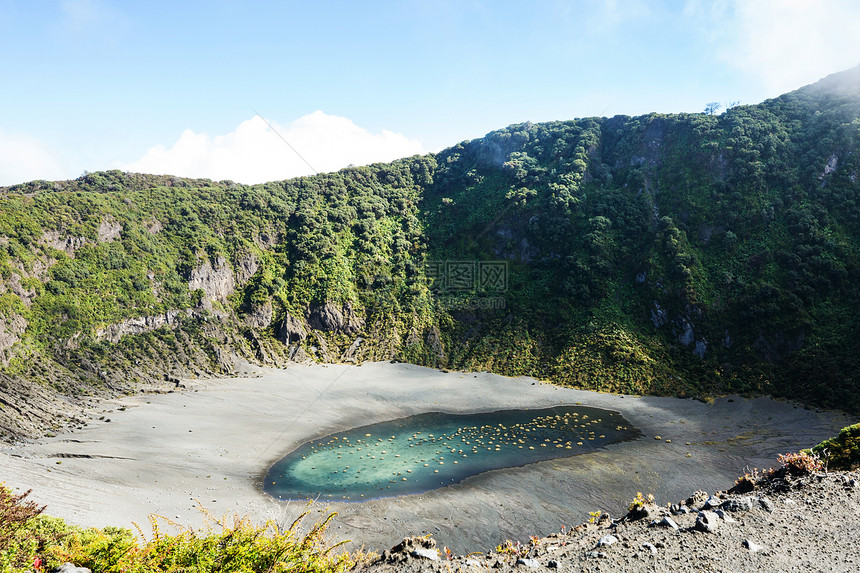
x=171 y=87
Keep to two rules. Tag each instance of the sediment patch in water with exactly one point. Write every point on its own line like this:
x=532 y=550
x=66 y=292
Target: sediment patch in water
x=432 y=450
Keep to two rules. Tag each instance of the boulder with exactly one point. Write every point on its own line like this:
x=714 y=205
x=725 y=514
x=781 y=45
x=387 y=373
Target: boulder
x=650 y=547
x=607 y=540
x=414 y=547
x=707 y=521
x=753 y=546
x=429 y=554
x=738 y=504
x=724 y=516
x=712 y=502
x=667 y=522
x=678 y=509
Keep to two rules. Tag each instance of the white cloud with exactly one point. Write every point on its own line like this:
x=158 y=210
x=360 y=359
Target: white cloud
x=254 y=153
x=790 y=43
x=24 y=158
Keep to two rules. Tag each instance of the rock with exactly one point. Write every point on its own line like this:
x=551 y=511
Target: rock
x=658 y=315
x=697 y=498
x=725 y=516
x=329 y=318
x=642 y=511
x=738 y=504
x=291 y=330
x=707 y=521
x=687 y=335
x=215 y=280
x=650 y=547
x=607 y=540
x=70 y=568
x=62 y=242
x=595 y=554
x=528 y=562
x=260 y=316
x=246 y=267
x=351 y=353
x=422 y=553
x=667 y=522
x=11 y=327
x=552 y=564
x=411 y=547
x=109 y=230
x=712 y=502
x=766 y=504
x=753 y=546
x=678 y=509
x=114 y=332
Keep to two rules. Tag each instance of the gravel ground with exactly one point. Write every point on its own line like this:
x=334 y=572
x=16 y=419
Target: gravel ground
x=806 y=524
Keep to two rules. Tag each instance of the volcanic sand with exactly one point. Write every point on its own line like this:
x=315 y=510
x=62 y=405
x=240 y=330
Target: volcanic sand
x=213 y=443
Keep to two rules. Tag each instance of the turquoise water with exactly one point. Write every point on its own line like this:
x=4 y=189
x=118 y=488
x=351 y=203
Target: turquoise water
x=428 y=451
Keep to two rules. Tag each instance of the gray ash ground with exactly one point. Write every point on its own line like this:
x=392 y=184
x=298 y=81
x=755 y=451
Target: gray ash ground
x=809 y=523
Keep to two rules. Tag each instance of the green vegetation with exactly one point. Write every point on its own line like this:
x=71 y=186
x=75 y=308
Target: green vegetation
x=841 y=452
x=687 y=254
x=226 y=545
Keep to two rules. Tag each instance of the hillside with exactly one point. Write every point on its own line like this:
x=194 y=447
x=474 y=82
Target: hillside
x=683 y=254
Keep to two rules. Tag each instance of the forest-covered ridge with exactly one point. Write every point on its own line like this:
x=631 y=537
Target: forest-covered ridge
x=679 y=254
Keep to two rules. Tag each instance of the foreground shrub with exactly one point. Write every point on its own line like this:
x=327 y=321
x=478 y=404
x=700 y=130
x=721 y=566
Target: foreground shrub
x=17 y=540
x=843 y=451
x=226 y=544
x=794 y=464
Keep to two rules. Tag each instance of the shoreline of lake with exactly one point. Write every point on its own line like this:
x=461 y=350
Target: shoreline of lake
x=214 y=442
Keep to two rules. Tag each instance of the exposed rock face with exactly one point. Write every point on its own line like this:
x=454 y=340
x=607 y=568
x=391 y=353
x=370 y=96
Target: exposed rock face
x=658 y=315
x=246 y=267
x=114 y=332
x=329 y=318
x=686 y=337
x=109 y=230
x=433 y=339
x=351 y=353
x=216 y=281
x=154 y=226
x=11 y=329
x=13 y=285
x=260 y=316
x=292 y=330
x=62 y=242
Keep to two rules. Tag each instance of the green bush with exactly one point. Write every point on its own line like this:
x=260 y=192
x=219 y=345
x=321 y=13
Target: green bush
x=224 y=545
x=843 y=451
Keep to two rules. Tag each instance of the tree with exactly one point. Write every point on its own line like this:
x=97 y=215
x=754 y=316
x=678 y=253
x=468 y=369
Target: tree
x=712 y=108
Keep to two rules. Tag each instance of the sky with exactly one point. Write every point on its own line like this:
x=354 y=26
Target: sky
x=255 y=91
